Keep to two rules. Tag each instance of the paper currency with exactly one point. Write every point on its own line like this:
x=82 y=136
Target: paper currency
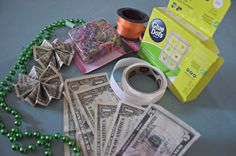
x=104 y=114
x=69 y=128
x=86 y=100
x=40 y=86
x=55 y=54
x=159 y=133
x=78 y=84
x=124 y=120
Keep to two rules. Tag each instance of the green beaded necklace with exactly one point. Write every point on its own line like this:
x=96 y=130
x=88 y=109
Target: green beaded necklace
x=15 y=134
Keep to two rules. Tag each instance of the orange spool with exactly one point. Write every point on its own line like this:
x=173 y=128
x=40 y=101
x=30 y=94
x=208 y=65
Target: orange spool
x=130 y=23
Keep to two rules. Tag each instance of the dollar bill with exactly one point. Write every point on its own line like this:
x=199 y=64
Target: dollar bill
x=39 y=51
x=42 y=96
x=86 y=100
x=49 y=73
x=55 y=80
x=23 y=90
x=104 y=114
x=158 y=133
x=35 y=72
x=55 y=61
x=124 y=120
x=31 y=98
x=25 y=79
x=69 y=129
x=53 y=91
x=86 y=137
x=45 y=59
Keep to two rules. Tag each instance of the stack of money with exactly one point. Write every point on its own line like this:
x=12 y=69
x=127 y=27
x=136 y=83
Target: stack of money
x=40 y=86
x=103 y=125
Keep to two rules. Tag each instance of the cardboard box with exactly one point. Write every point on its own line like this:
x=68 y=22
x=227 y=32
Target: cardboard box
x=178 y=40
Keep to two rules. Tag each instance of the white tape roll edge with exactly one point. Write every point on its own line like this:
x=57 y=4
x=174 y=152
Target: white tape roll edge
x=129 y=94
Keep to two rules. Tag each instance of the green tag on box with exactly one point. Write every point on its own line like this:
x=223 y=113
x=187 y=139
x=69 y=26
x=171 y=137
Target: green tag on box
x=178 y=40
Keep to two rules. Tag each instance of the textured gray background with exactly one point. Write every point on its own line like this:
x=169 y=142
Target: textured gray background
x=213 y=114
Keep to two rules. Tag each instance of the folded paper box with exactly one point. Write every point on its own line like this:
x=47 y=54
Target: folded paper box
x=178 y=40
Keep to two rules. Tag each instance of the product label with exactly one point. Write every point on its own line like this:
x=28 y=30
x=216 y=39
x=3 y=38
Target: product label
x=157 y=30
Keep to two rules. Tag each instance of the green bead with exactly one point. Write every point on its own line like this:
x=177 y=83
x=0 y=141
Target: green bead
x=39 y=43
x=71 y=20
x=28 y=133
x=46 y=29
x=18 y=117
x=2 y=125
x=3 y=131
x=12 y=72
x=36 y=134
x=16 y=66
x=48 y=138
x=20 y=62
x=23 y=150
x=12 y=139
x=22 y=58
x=9 y=89
x=8 y=109
x=4 y=83
x=32 y=42
x=48 y=33
x=22 y=54
x=24 y=71
x=40 y=142
x=54 y=25
x=76 y=20
x=28 y=56
x=32 y=147
x=57 y=136
x=14 y=112
x=8 y=78
x=71 y=143
x=65 y=138
x=48 y=153
x=29 y=46
x=15 y=147
x=15 y=130
x=42 y=137
x=22 y=67
x=47 y=37
x=9 y=134
x=38 y=37
x=76 y=149
x=2 y=94
x=47 y=145
x=1 y=88
x=3 y=104
x=19 y=135
x=30 y=52
x=17 y=123
x=35 y=40
x=42 y=31
x=1 y=99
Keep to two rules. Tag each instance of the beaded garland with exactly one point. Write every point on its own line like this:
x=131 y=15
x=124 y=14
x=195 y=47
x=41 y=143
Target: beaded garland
x=15 y=135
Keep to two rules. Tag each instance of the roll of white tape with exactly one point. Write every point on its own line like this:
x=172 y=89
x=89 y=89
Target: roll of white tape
x=130 y=95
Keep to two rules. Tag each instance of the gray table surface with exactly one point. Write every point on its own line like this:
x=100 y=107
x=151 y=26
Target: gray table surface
x=213 y=114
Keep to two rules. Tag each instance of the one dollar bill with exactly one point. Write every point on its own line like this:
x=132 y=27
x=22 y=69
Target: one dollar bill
x=124 y=120
x=104 y=114
x=86 y=138
x=158 y=133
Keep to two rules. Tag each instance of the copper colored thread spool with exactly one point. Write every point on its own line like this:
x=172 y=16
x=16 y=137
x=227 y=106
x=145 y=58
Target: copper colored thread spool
x=130 y=23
